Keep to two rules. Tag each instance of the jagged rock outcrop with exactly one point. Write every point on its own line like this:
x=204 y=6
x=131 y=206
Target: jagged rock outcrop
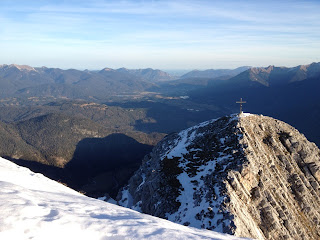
x=251 y=176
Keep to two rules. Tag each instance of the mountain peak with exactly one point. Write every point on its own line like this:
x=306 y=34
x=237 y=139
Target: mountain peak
x=258 y=70
x=23 y=67
x=251 y=176
x=19 y=67
x=122 y=69
x=107 y=70
x=270 y=68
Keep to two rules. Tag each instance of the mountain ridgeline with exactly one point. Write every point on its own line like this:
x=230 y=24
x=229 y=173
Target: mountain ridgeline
x=26 y=81
x=214 y=73
x=275 y=76
x=251 y=176
x=288 y=94
x=148 y=74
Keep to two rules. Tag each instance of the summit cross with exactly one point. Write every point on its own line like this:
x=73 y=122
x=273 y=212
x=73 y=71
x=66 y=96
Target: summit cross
x=241 y=102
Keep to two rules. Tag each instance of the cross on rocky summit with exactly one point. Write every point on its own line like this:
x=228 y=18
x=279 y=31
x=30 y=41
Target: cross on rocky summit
x=241 y=102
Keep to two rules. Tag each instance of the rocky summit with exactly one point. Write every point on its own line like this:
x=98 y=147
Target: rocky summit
x=248 y=175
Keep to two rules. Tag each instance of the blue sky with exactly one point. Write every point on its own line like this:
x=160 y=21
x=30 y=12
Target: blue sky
x=159 y=34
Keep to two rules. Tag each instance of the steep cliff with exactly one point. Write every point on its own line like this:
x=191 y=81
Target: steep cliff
x=251 y=176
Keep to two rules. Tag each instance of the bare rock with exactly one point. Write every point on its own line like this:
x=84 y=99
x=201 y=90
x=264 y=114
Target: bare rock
x=251 y=176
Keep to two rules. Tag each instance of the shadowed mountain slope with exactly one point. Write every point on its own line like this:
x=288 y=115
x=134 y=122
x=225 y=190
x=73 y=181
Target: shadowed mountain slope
x=275 y=76
x=77 y=151
x=214 y=73
x=148 y=74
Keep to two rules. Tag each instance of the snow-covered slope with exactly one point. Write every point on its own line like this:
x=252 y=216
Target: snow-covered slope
x=179 y=181
x=35 y=207
x=251 y=176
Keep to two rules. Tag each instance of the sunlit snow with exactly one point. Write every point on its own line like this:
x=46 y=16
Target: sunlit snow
x=35 y=207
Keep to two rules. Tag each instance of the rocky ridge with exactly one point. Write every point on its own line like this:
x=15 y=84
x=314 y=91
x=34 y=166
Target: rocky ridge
x=276 y=76
x=251 y=176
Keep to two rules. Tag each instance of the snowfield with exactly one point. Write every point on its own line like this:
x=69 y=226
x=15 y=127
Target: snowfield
x=35 y=207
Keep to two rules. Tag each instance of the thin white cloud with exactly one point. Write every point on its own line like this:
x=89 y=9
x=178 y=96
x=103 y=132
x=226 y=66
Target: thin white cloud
x=280 y=11
x=134 y=30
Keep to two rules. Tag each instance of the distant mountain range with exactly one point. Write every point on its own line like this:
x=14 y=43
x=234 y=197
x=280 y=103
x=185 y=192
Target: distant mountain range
x=275 y=76
x=289 y=94
x=26 y=81
x=197 y=79
x=214 y=73
x=148 y=74
x=242 y=76
x=281 y=92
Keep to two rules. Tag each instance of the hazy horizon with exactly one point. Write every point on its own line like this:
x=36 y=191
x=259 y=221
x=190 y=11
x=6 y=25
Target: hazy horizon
x=170 y=71
x=177 y=35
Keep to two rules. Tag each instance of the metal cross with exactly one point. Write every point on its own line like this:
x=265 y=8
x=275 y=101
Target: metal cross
x=241 y=102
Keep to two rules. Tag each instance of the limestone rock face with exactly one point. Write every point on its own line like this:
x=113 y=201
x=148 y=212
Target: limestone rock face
x=251 y=176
